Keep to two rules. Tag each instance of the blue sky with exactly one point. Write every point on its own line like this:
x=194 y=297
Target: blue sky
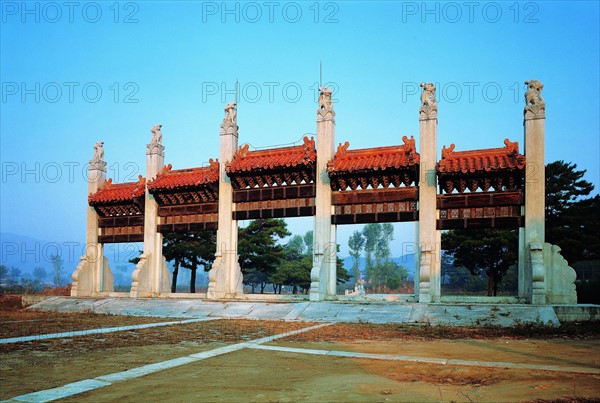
x=73 y=75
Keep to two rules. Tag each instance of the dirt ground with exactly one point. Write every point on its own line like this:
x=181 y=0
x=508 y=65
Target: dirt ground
x=260 y=375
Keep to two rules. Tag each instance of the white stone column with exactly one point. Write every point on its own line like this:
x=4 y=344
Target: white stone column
x=225 y=277
x=151 y=276
x=323 y=275
x=429 y=288
x=535 y=191
x=89 y=276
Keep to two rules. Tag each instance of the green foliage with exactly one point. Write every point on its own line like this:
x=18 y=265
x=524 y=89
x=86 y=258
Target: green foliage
x=189 y=250
x=356 y=244
x=295 y=272
x=572 y=221
x=381 y=273
x=564 y=187
x=14 y=275
x=309 y=242
x=587 y=291
x=260 y=255
x=57 y=265
x=397 y=275
x=3 y=274
x=39 y=273
x=488 y=251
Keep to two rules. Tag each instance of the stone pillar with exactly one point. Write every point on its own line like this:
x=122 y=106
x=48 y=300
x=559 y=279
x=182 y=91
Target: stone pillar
x=429 y=237
x=225 y=277
x=151 y=275
x=323 y=274
x=535 y=191
x=92 y=275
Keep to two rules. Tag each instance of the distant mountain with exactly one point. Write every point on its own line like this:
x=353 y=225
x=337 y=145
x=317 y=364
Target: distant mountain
x=407 y=261
x=27 y=253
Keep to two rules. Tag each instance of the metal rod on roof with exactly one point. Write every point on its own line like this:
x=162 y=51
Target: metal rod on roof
x=280 y=145
x=236 y=90
x=320 y=74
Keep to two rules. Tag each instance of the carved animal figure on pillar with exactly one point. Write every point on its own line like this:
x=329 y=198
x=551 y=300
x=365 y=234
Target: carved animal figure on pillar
x=230 y=113
x=156 y=134
x=533 y=95
x=428 y=95
x=98 y=151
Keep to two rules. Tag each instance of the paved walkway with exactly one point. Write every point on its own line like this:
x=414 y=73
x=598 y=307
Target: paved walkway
x=411 y=313
x=95 y=331
x=87 y=385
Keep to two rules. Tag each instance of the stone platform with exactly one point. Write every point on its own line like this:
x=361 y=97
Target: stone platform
x=409 y=313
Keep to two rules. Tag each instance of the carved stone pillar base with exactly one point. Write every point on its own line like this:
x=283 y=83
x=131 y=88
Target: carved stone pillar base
x=560 y=277
x=141 y=278
x=83 y=279
x=318 y=279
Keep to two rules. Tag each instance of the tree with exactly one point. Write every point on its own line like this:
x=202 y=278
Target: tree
x=173 y=250
x=309 y=242
x=39 y=273
x=57 y=265
x=572 y=221
x=14 y=275
x=397 y=275
x=483 y=250
x=564 y=188
x=3 y=274
x=259 y=252
x=356 y=244
x=371 y=232
x=200 y=248
x=188 y=250
x=381 y=269
x=295 y=268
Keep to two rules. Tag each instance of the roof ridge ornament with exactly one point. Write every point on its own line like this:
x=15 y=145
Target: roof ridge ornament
x=242 y=151
x=447 y=152
x=213 y=163
x=512 y=147
x=409 y=145
x=535 y=106
x=343 y=148
x=107 y=184
x=428 y=102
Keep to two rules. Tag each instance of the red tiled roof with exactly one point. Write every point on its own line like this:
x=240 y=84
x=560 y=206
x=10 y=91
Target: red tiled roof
x=275 y=158
x=118 y=192
x=486 y=160
x=170 y=179
x=380 y=158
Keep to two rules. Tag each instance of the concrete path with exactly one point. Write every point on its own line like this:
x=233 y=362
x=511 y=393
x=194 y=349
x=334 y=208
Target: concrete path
x=411 y=313
x=87 y=385
x=95 y=331
x=103 y=381
x=430 y=360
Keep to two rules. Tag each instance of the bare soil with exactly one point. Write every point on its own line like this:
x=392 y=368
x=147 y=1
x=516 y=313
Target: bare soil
x=257 y=375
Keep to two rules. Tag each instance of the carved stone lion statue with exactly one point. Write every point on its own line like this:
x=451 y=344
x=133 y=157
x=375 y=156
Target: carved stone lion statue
x=98 y=151
x=533 y=95
x=230 y=113
x=156 y=134
x=325 y=98
x=428 y=94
